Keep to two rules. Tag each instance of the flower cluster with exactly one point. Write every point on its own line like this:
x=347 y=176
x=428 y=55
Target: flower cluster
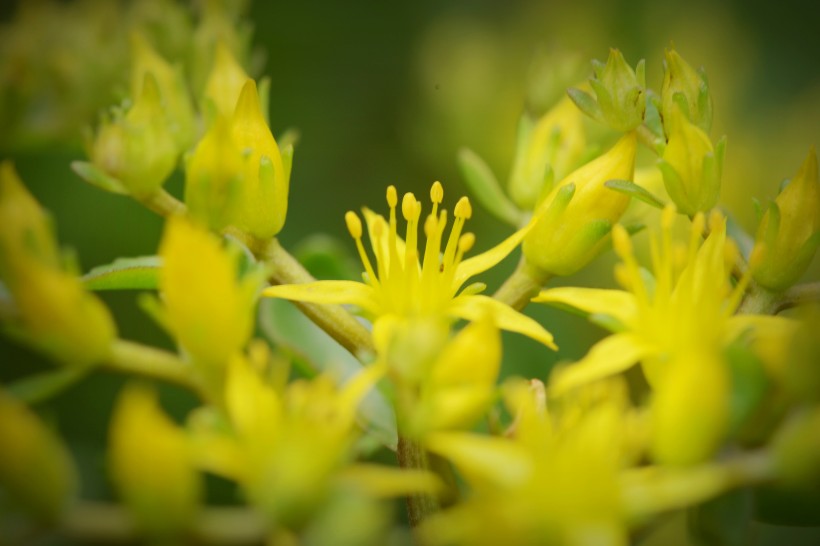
x=705 y=383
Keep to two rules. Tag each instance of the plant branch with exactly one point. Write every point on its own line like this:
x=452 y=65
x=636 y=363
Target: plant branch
x=411 y=455
x=133 y=358
x=800 y=294
x=163 y=203
x=520 y=287
x=333 y=319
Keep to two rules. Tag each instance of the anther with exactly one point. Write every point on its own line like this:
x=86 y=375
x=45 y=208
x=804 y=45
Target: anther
x=408 y=206
x=620 y=240
x=392 y=196
x=354 y=224
x=378 y=227
x=463 y=209
x=437 y=192
x=466 y=242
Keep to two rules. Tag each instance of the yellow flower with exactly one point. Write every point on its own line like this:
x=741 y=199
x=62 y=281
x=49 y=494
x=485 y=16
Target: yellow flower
x=554 y=481
x=225 y=81
x=403 y=286
x=209 y=308
x=687 y=306
x=572 y=223
x=52 y=312
x=152 y=465
x=789 y=232
x=36 y=470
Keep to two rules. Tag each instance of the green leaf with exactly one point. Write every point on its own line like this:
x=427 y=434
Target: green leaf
x=723 y=521
x=585 y=103
x=96 y=177
x=485 y=187
x=42 y=386
x=325 y=257
x=794 y=508
x=140 y=273
x=633 y=190
x=283 y=324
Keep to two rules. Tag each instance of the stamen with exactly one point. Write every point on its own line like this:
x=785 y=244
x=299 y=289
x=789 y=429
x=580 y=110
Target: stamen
x=392 y=243
x=378 y=231
x=354 y=225
x=392 y=196
x=436 y=196
x=408 y=206
x=465 y=244
x=463 y=209
x=411 y=209
x=621 y=242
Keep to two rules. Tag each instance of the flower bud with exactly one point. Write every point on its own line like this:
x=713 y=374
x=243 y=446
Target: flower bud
x=789 y=232
x=690 y=410
x=36 y=470
x=266 y=172
x=686 y=89
x=225 y=81
x=52 y=312
x=546 y=151
x=691 y=166
x=619 y=93
x=137 y=149
x=572 y=223
x=209 y=308
x=151 y=464
x=175 y=99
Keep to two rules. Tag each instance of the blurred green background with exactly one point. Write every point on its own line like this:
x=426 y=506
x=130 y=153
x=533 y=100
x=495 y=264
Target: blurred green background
x=386 y=93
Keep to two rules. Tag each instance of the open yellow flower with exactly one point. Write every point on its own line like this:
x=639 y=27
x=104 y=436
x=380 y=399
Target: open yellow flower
x=689 y=305
x=403 y=286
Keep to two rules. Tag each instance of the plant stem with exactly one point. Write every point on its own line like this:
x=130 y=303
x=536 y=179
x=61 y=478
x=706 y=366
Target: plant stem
x=94 y=522
x=520 y=287
x=333 y=319
x=133 y=358
x=412 y=455
x=163 y=203
x=799 y=295
x=759 y=301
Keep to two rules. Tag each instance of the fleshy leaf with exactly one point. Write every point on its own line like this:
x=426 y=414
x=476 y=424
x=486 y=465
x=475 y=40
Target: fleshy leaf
x=140 y=273
x=96 y=177
x=36 y=388
x=283 y=324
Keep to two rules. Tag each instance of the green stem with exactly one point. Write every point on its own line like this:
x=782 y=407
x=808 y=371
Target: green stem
x=520 y=287
x=132 y=358
x=412 y=455
x=759 y=301
x=333 y=319
x=163 y=203
x=799 y=295
x=94 y=522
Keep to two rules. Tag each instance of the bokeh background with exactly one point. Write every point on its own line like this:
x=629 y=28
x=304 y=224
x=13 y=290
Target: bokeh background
x=386 y=93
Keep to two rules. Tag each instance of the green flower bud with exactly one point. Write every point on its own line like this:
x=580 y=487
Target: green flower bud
x=619 y=93
x=690 y=410
x=547 y=150
x=789 y=232
x=173 y=91
x=137 y=150
x=572 y=223
x=152 y=465
x=686 y=89
x=796 y=449
x=36 y=470
x=691 y=166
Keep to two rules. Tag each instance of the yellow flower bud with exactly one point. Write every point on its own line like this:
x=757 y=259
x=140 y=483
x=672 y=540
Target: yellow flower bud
x=686 y=89
x=572 y=222
x=52 y=311
x=209 y=309
x=151 y=464
x=225 y=81
x=175 y=97
x=690 y=410
x=264 y=196
x=36 y=470
x=691 y=166
x=137 y=149
x=546 y=152
x=214 y=177
x=789 y=232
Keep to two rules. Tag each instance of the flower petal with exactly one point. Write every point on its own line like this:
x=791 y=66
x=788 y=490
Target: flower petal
x=483 y=460
x=486 y=260
x=327 y=292
x=476 y=306
x=385 y=482
x=618 y=304
x=609 y=356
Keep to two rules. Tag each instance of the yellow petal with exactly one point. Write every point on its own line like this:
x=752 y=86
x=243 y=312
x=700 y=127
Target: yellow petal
x=327 y=292
x=486 y=260
x=611 y=355
x=476 y=306
x=381 y=481
x=618 y=304
x=483 y=459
